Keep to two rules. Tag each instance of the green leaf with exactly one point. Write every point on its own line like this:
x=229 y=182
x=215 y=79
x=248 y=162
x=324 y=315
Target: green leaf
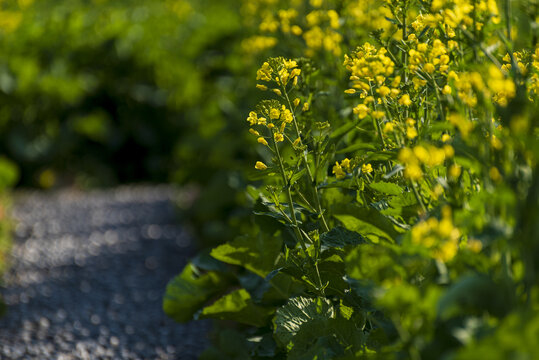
x=340 y=237
x=477 y=294
x=355 y=147
x=9 y=173
x=367 y=221
x=297 y=176
x=300 y=313
x=386 y=188
x=255 y=253
x=238 y=306
x=188 y=292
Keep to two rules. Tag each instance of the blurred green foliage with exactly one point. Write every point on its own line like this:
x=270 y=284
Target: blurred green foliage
x=117 y=91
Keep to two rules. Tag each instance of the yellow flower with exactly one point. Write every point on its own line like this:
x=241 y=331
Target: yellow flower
x=260 y=165
x=278 y=137
x=446 y=137
x=262 y=141
x=362 y=110
x=305 y=107
x=449 y=151
x=428 y=67
x=274 y=114
x=446 y=90
x=383 y=91
x=388 y=127
x=338 y=171
x=296 y=102
x=261 y=87
x=405 y=100
x=277 y=92
x=253 y=118
x=378 y=114
x=455 y=171
x=254 y=132
x=346 y=164
x=411 y=132
x=366 y=168
x=413 y=172
x=350 y=91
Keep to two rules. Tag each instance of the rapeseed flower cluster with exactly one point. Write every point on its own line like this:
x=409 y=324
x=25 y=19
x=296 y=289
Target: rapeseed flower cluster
x=272 y=117
x=439 y=236
x=430 y=156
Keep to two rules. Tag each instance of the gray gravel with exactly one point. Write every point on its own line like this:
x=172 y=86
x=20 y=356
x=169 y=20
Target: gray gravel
x=88 y=275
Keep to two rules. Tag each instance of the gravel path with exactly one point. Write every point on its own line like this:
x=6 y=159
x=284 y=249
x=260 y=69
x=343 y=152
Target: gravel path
x=89 y=272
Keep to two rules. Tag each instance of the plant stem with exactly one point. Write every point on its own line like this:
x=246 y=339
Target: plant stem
x=325 y=226
x=295 y=225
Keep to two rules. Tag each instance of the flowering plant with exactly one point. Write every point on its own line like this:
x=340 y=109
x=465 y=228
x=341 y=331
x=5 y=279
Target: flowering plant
x=395 y=208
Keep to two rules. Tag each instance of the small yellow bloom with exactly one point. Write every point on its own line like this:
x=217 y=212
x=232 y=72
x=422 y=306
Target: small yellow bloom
x=446 y=90
x=413 y=172
x=278 y=137
x=366 y=168
x=253 y=118
x=260 y=165
x=350 y=91
x=277 y=91
x=378 y=114
x=449 y=151
x=296 y=142
x=261 y=87
x=405 y=100
x=346 y=164
x=428 y=67
x=262 y=141
x=389 y=127
x=411 y=132
x=362 y=110
x=296 y=30
x=254 y=132
x=275 y=114
x=475 y=245
x=455 y=171
x=296 y=102
x=338 y=171
x=305 y=106
x=383 y=91
x=446 y=137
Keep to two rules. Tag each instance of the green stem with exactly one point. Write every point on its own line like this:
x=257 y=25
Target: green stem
x=418 y=197
x=295 y=225
x=325 y=226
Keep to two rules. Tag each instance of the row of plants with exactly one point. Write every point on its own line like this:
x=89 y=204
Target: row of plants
x=391 y=202
x=100 y=92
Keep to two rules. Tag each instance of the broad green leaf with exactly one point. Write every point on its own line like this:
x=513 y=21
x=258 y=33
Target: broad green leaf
x=386 y=188
x=322 y=348
x=367 y=221
x=340 y=237
x=255 y=253
x=299 y=313
x=190 y=291
x=238 y=306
